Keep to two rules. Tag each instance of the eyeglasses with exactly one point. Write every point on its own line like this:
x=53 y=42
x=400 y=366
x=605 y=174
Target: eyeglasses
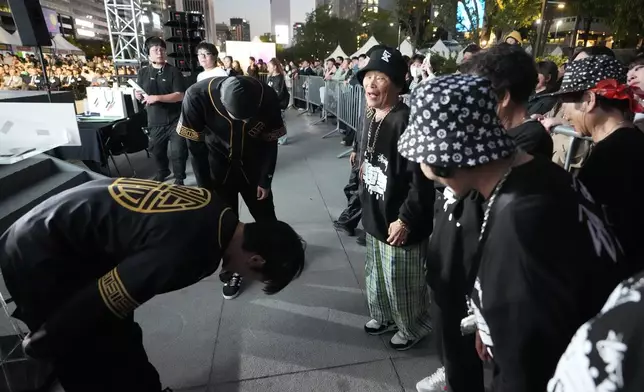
x=204 y=55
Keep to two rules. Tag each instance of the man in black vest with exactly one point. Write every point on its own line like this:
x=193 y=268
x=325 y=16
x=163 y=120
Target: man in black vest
x=232 y=125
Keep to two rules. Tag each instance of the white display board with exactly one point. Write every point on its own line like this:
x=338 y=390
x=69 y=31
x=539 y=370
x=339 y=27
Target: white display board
x=106 y=101
x=23 y=134
x=242 y=50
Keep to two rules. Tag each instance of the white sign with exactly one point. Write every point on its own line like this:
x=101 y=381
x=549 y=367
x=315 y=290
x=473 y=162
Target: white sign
x=23 y=136
x=86 y=33
x=282 y=34
x=106 y=101
x=84 y=23
x=156 y=20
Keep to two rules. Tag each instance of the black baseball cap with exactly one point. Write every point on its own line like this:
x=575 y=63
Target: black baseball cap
x=241 y=96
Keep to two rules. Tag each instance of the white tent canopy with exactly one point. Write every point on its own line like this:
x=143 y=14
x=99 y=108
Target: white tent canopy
x=8 y=39
x=406 y=48
x=444 y=50
x=557 y=51
x=59 y=42
x=371 y=42
x=337 y=52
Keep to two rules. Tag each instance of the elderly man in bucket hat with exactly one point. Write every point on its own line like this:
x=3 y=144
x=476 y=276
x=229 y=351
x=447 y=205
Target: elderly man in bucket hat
x=397 y=208
x=545 y=262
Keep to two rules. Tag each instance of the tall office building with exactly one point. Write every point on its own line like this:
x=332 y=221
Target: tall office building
x=223 y=33
x=86 y=18
x=281 y=21
x=239 y=29
x=351 y=9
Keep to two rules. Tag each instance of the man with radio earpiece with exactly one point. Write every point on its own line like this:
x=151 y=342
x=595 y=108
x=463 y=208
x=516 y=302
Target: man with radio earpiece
x=232 y=125
x=163 y=88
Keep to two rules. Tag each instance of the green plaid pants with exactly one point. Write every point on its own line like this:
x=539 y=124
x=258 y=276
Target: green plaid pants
x=396 y=287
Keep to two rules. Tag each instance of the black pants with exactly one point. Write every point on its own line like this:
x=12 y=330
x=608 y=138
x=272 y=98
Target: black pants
x=112 y=360
x=159 y=139
x=109 y=357
x=237 y=184
x=351 y=215
x=463 y=367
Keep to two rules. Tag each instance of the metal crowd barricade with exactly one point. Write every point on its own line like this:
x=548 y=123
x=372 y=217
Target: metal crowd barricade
x=315 y=96
x=575 y=138
x=299 y=89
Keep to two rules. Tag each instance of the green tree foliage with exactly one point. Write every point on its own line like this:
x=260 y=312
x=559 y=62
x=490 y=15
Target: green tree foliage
x=415 y=20
x=628 y=22
x=322 y=32
x=380 y=25
x=503 y=16
x=267 y=37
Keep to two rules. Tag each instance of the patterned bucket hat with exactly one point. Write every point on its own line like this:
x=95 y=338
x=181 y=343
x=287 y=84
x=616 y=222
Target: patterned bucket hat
x=585 y=74
x=453 y=123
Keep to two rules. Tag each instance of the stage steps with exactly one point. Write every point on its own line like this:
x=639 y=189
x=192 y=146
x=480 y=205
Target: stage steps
x=25 y=184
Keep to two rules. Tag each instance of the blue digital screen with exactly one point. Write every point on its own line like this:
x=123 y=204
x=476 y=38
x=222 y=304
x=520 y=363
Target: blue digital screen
x=463 y=22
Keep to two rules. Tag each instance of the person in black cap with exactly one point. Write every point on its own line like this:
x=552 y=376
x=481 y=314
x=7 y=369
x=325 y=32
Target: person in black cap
x=232 y=125
x=80 y=263
x=598 y=103
x=546 y=260
x=163 y=87
x=397 y=206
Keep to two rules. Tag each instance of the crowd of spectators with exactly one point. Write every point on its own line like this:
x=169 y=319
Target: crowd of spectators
x=65 y=72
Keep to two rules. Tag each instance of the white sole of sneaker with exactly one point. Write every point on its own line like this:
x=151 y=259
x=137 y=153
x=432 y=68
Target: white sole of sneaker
x=231 y=296
x=407 y=347
x=391 y=328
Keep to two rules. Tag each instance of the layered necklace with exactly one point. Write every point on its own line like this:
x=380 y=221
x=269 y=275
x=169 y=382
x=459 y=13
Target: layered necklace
x=372 y=137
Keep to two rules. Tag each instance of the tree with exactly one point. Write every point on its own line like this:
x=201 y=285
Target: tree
x=414 y=17
x=628 y=24
x=322 y=32
x=502 y=16
x=587 y=10
x=473 y=17
x=267 y=37
x=381 y=25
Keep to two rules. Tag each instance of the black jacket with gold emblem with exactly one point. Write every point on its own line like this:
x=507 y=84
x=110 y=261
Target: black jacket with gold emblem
x=231 y=147
x=100 y=250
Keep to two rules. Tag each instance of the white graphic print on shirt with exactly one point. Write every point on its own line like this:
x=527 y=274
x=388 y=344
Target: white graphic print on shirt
x=602 y=240
x=575 y=372
x=374 y=177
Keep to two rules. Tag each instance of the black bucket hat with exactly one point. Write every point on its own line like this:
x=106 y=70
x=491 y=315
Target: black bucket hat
x=453 y=124
x=583 y=75
x=388 y=61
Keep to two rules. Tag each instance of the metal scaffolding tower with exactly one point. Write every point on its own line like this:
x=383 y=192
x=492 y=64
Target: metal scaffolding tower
x=127 y=33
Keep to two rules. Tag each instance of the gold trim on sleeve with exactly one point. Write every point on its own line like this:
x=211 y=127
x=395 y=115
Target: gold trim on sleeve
x=115 y=296
x=188 y=133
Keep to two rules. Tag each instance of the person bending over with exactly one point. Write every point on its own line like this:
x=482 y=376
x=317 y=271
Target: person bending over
x=80 y=263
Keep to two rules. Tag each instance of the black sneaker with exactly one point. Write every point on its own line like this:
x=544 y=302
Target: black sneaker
x=225 y=276
x=178 y=182
x=362 y=239
x=232 y=287
x=373 y=327
x=344 y=228
x=161 y=176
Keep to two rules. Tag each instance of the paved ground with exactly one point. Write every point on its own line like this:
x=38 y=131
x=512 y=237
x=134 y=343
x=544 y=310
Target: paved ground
x=310 y=336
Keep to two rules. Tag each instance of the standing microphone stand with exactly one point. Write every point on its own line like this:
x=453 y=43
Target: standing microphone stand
x=44 y=72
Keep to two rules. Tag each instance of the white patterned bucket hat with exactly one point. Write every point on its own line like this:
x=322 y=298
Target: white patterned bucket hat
x=453 y=123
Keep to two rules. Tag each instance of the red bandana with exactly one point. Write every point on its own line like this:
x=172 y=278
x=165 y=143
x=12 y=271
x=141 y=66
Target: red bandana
x=612 y=89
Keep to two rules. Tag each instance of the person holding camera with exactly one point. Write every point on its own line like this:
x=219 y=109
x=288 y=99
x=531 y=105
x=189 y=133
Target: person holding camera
x=163 y=88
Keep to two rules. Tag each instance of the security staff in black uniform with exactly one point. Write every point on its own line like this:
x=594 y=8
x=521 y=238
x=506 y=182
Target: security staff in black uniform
x=80 y=263
x=164 y=86
x=232 y=125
